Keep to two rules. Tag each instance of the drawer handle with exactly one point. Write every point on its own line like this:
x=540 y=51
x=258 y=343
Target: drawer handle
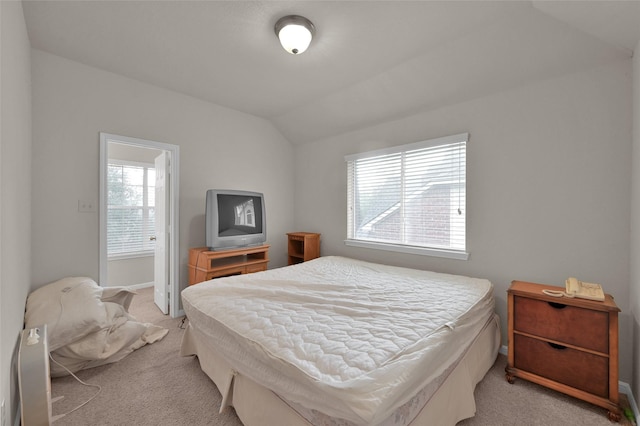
x=555 y=305
x=557 y=346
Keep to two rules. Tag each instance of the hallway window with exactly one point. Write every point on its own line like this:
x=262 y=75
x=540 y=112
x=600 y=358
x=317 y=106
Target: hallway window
x=130 y=209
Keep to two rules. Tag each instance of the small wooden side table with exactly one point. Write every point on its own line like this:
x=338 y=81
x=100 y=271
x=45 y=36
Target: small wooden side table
x=302 y=246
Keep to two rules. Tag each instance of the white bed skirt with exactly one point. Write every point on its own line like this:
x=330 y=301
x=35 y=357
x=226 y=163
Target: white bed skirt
x=259 y=406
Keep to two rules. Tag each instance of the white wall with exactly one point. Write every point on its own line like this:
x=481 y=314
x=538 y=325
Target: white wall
x=634 y=294
x=128 y=272
x=548 y=185
x=15 y=194
x=219 y=147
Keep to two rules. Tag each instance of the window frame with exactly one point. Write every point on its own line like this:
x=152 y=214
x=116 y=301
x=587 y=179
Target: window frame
x=398 y=247
x=145 y=209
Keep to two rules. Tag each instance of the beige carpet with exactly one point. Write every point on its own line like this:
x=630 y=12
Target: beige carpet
x=156 y=386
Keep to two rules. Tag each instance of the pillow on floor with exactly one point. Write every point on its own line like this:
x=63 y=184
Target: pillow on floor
x=71 y=308
x=121 y=336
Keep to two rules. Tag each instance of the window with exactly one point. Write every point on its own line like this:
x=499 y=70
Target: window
x=410 y=198
x=130 y=208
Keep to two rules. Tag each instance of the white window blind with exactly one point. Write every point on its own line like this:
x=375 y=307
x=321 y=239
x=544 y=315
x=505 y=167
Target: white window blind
x=411 y=196
x=130 y=209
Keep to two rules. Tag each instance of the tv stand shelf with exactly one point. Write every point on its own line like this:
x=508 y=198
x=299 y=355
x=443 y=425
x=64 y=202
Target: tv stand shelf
x=205 y=264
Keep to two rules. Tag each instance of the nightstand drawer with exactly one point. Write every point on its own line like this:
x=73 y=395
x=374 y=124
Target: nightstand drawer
x=578 y=369
x=576 y=326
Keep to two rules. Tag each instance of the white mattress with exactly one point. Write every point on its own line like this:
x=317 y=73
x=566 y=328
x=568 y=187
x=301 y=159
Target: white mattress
x=351 y=339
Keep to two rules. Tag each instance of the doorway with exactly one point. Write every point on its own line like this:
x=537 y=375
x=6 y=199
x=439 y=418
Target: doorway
x=153 y=251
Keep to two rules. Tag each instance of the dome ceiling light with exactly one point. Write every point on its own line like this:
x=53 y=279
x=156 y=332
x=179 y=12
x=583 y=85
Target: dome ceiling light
x=295 y=33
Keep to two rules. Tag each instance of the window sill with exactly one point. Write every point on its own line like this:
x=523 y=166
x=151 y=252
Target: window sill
x=423 y=251
x=130 y=255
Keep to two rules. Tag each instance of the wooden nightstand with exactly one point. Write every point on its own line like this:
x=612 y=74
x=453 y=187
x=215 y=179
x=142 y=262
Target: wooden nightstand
x=566 y=344
x=302 y=246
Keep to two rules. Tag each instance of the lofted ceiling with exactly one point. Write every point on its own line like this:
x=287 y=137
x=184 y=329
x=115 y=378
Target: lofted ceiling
x=371 y=61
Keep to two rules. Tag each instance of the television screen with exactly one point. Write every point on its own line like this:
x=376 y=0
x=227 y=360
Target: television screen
x=239 y=215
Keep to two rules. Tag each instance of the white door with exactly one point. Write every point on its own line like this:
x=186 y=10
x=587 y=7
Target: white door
x=161 y=261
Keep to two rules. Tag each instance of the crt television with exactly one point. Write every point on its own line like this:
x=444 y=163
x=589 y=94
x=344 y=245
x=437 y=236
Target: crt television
x=234 y=219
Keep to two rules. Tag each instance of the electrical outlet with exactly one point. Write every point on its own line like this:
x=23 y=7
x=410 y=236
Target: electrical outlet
x=86 y=206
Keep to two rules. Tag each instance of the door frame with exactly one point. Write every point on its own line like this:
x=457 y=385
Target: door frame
x=160 y=268
x=172 y=207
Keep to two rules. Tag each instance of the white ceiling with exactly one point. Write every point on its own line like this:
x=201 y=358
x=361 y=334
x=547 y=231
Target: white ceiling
x=371 y=61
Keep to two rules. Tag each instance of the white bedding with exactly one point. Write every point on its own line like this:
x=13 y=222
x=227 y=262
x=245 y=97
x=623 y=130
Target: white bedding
x=351 y=339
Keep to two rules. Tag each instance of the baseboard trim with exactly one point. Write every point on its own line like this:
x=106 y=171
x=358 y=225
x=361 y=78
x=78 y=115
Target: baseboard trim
x=504 y=350
x=151 y=284
x=137 y=286
x=623 y=387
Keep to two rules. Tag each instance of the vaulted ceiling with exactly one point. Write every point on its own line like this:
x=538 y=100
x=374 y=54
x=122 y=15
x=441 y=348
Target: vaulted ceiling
x=370 y=61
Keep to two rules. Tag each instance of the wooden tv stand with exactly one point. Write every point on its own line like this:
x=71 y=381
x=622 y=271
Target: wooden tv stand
x=205 y=265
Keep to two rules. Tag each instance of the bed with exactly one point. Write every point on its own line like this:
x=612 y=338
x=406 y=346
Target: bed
x=342 y=342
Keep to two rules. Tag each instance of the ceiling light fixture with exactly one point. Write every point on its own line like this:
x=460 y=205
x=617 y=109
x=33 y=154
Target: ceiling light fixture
x=295 y=33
